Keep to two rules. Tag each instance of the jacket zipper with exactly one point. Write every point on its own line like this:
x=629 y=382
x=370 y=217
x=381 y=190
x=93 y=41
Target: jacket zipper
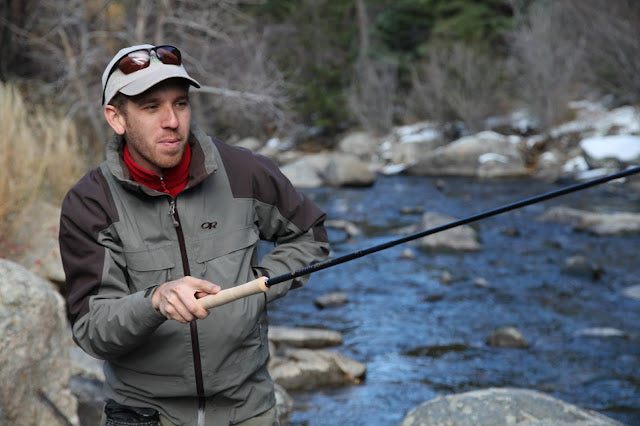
x=195 y=342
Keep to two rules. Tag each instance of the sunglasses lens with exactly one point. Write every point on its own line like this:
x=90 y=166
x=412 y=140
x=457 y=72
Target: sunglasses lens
x=169 y=55
x=134 y=61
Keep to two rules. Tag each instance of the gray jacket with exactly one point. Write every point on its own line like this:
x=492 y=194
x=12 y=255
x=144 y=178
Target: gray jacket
x=119 y=240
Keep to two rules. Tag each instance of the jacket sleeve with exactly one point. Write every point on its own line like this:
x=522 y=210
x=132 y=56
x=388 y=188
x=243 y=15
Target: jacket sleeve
x=107 y=320
x=293 y=222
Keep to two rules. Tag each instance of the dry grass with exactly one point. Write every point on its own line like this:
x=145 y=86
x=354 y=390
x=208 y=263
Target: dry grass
x=40 y=158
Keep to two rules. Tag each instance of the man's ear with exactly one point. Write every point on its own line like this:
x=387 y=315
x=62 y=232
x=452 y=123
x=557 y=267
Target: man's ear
x=115 y=118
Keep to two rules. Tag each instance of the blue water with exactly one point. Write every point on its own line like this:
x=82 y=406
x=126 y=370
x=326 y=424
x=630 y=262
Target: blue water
x=420 y=338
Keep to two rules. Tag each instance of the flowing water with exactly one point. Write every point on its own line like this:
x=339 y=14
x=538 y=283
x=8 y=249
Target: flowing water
x=420 y=338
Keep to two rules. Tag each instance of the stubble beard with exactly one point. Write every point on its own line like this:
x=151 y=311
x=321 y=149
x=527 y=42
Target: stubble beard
x=152 y=154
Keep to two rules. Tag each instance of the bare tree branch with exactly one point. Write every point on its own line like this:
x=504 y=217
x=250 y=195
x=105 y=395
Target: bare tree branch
x=253 y=97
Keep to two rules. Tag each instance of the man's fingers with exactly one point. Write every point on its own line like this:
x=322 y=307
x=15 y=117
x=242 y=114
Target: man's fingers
x=178 y=299
x=202 y=286
x=174 y=307
x=187 y=305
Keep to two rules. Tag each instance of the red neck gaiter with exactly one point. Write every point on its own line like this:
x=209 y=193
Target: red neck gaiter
x=172 y=182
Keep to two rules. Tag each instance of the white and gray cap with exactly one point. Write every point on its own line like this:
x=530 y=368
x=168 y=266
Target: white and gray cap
x=141 y=80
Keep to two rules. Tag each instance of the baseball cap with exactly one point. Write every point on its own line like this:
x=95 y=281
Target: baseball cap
x=136 y=82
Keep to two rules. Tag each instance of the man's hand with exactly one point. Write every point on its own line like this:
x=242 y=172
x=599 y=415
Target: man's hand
x=178 y=299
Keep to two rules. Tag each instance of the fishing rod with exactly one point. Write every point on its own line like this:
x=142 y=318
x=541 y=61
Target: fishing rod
x=262 y=284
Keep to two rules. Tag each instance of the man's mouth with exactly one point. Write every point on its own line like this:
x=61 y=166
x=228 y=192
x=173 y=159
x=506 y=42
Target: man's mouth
x=170 y=142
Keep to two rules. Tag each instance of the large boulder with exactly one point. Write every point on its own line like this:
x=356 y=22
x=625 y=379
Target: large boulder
x=614 y=152
x=411 y=143
x=348 y=170
x=306 y=171
x=339 y=169
x=632 y=292
x=299 y=362
x=592 y=119
x=35 y=242
x=34 y=361
x=507 y=337
x=298 y=369
x=486 y=154
x=362 y=144
x=459 y=238
x=502 y=406
x=302 y=337
x=597 y=223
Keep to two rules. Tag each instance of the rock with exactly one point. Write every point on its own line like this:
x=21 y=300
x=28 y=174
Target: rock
x=411 y=143
x=446 y=278
x=481 y=282
x=348 y=227
x=301 y=337
x=580 y=266
x=37 y=242
x=460 y=238
x=486 y=154
x=275 y=147
x=590 y=174
x=412 y=210
x=575 y=165
x=347 y=170
x=32 y=358
x=284 y=404
x=616 y=151
x=507 y=337
x=91 y=399
x=87 y=385
x=601 y=332
x=597 y=223
x=362 y=144
x=492 y=166
x=295 y=368
x=633 y=183
x=501 y=407
x=407 y=254
x=594 y=120
x=84 y=365
x=331 y=300
x=316 y=170
x=632 y=292
x=311 y=369
x=303 y=173
x=250 y=143
x=393 y=169
x=549 y=166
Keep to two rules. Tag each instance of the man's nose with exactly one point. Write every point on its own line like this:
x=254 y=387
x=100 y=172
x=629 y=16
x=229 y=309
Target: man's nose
x=170 y=118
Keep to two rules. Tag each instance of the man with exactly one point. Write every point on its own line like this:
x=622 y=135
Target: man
x=171 y=216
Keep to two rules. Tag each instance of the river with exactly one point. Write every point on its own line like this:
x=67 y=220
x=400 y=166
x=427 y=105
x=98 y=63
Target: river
x=420 y=338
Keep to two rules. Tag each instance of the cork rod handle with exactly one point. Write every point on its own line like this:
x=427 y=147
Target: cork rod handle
x=234 y=293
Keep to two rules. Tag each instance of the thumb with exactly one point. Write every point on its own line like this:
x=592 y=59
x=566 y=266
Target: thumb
x=207 y=288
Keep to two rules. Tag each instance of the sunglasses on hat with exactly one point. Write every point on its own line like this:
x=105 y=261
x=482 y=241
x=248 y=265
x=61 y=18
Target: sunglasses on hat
x=141 y=59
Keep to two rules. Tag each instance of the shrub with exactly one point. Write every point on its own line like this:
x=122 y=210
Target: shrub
x=457 y=82
x=372 y=95
x=40 y=158
x=549 y=60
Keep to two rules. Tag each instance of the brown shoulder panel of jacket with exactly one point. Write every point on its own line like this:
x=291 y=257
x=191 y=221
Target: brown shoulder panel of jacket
x=255 y=176
x=87 y=210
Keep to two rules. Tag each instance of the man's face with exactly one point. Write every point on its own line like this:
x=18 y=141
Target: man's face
x=155 y=125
